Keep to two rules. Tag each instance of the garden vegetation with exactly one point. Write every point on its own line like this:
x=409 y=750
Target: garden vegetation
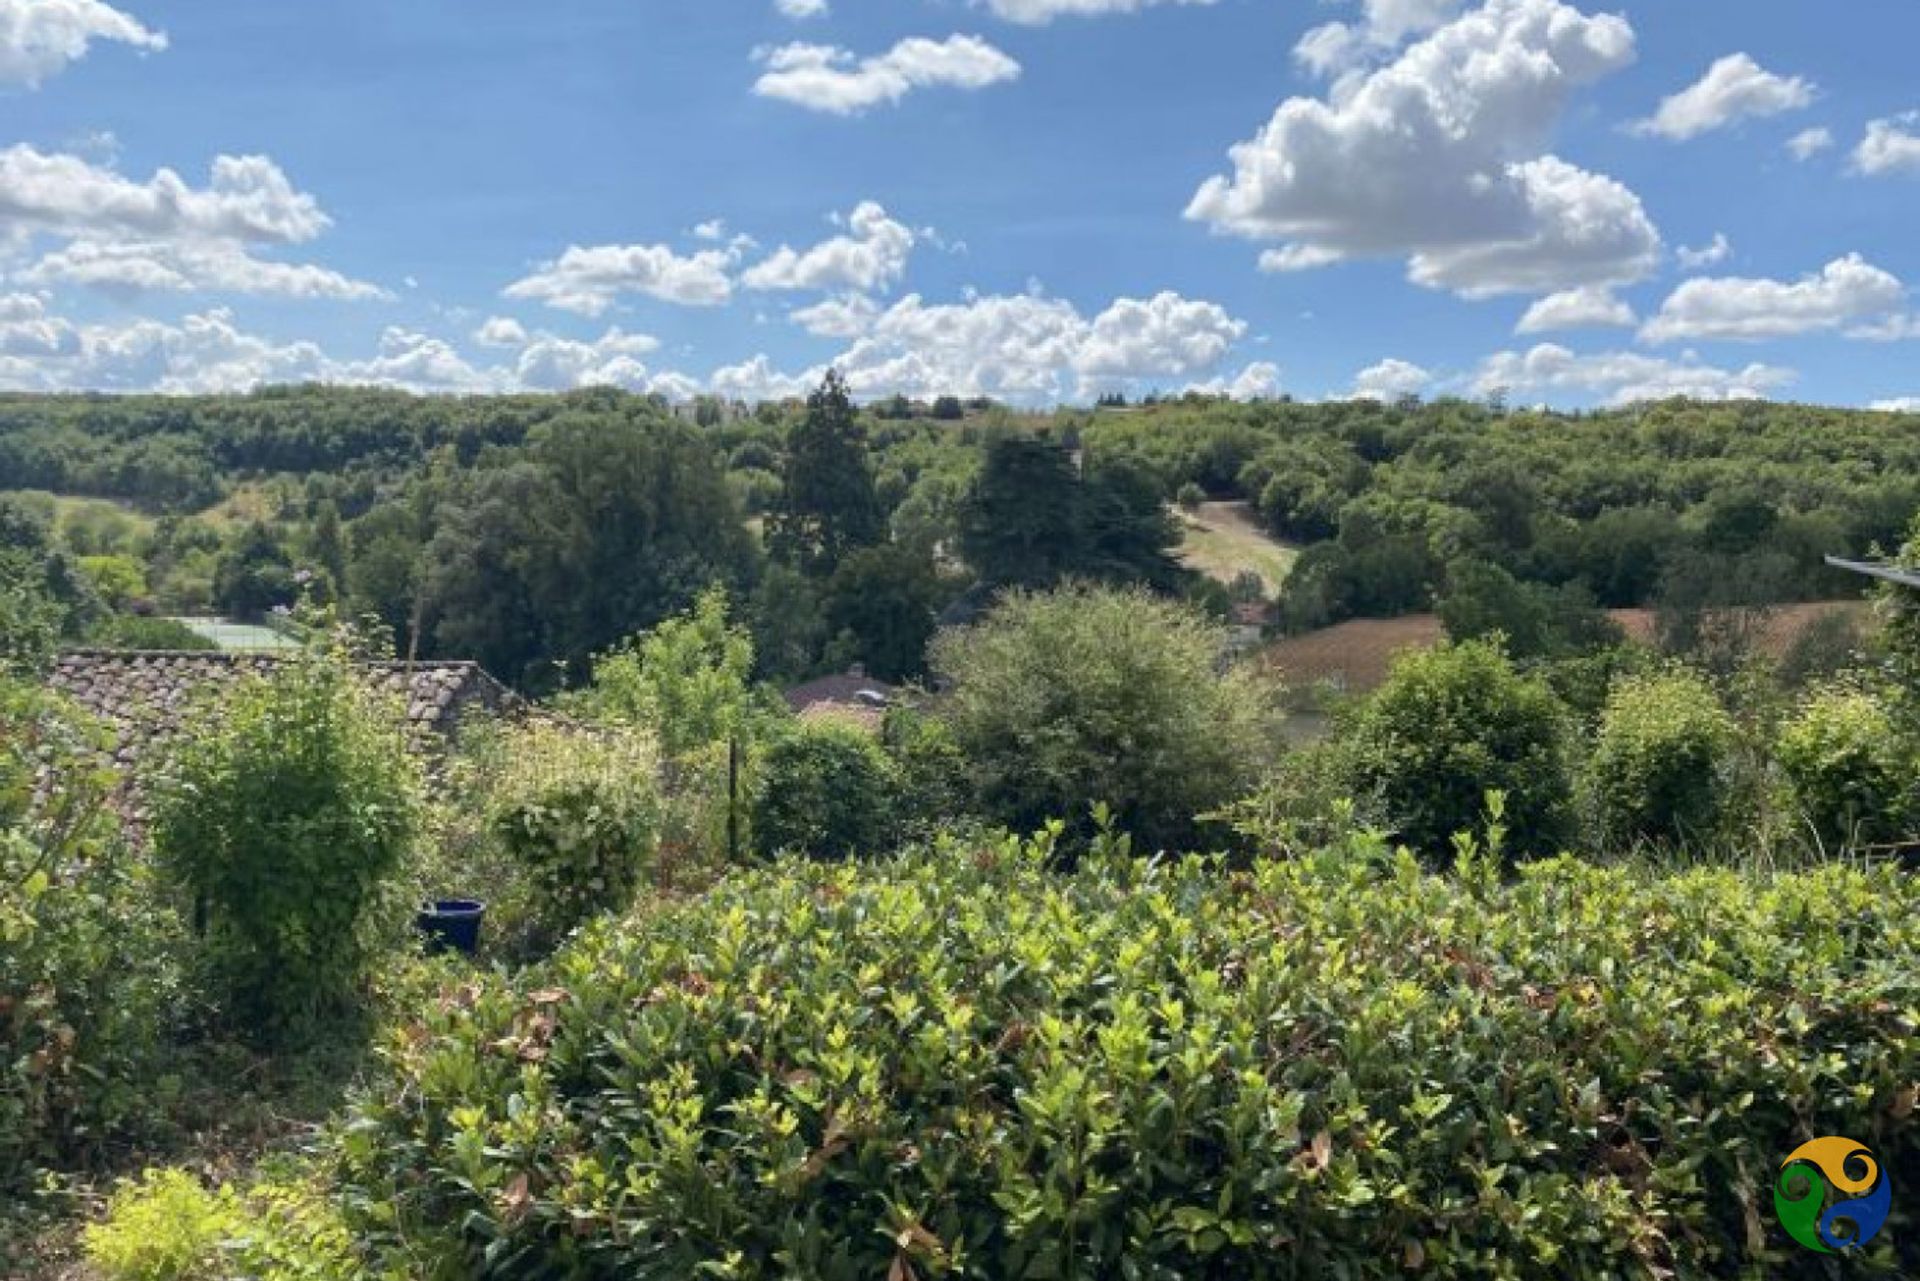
x=1086 y=956
x=965 y=1063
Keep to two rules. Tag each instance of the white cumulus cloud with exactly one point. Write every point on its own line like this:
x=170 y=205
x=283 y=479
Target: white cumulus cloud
x=1163 y=336
x=1897 y=327
x=549 y=363
x=1622 y=378
x=757 y=380
x=847 y=316
x=1018 y=347
x=28 y=332
x=828 y=78
x=216 y=266
x=588 y=280
x=1260 y=380
x=1717 y=250
x=1440 y=156
x=872 y=256
x=501 y=331
x=1391 y=379
x=1023 y=348
x=801 y=9
x=210 y=352
x=415 y=361
x=1297 y=258
x=1734 y=88
x=1889 y=146
x=248 y=198
x=202 y=353
x=1033 y=349
x=1385 y=25
x=128 y=236
x=39 y=38
x=1039 y=12
x=1588 y=307
x=1808 y=143
x=1847 y=291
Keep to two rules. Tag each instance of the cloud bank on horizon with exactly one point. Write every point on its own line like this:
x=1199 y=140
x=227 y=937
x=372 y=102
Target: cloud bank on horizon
x=1040 y=201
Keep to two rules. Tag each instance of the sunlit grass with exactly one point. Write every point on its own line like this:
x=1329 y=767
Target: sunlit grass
x=1222 y=541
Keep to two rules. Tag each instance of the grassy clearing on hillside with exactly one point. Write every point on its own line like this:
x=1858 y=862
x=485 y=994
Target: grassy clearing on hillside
x=249 y=502
x=61 y=509
x=1223 y=541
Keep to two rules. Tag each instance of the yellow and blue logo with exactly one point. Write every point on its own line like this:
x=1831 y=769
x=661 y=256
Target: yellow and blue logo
x=1832 y=1167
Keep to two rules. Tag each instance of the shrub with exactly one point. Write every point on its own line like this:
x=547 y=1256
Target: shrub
x=1898 y=610
x=1848 y=770
x=1333 y=1066
x=1305 y=803
x=1190 y=496
x=118 y=579
x=929 y=772
x=286 y=814
x=1449 y=726
x=1585 y=681
x=574 y=821
x=1660 y=759
x=130 y=631
x=32 y=617
x=687 y=682
x=1483 y=600
x=1092 y=693
x=826 y=790
x=1828 y=645
x=167 y=1227
x=89 y=970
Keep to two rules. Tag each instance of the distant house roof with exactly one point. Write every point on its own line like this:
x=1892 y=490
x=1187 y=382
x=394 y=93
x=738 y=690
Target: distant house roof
x=1252 y=613
x=142 y=696
x=1885 y=573
x=851 y=695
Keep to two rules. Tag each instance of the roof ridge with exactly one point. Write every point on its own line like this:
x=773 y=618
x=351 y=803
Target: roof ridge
x=108 y=651
x=248 y=655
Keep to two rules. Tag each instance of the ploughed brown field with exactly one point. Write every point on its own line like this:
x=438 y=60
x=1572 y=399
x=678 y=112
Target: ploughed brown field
x=1356 y=655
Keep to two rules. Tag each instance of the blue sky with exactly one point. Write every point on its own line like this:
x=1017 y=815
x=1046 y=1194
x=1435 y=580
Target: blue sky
x=1039 y=200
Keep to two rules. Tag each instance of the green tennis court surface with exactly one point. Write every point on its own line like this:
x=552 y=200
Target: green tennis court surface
x=230 y=635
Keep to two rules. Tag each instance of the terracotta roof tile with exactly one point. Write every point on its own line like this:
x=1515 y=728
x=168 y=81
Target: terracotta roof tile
x=846 y=689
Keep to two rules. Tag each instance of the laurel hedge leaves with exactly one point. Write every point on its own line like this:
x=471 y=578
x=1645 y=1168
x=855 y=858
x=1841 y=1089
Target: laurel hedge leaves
x=963 y=1064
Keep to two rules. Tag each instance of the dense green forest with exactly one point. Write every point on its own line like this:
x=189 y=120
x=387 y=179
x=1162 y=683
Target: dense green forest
x=533 y=532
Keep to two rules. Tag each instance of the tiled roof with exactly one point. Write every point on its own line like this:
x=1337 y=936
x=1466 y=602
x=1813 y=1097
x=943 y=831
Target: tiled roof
x=850 y=698
x=142 y=696
x=845 y=690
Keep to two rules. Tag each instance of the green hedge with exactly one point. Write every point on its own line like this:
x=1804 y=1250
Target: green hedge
x=1340 y=1067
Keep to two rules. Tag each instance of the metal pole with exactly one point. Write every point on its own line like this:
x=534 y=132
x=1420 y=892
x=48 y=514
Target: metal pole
x=733 y=791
